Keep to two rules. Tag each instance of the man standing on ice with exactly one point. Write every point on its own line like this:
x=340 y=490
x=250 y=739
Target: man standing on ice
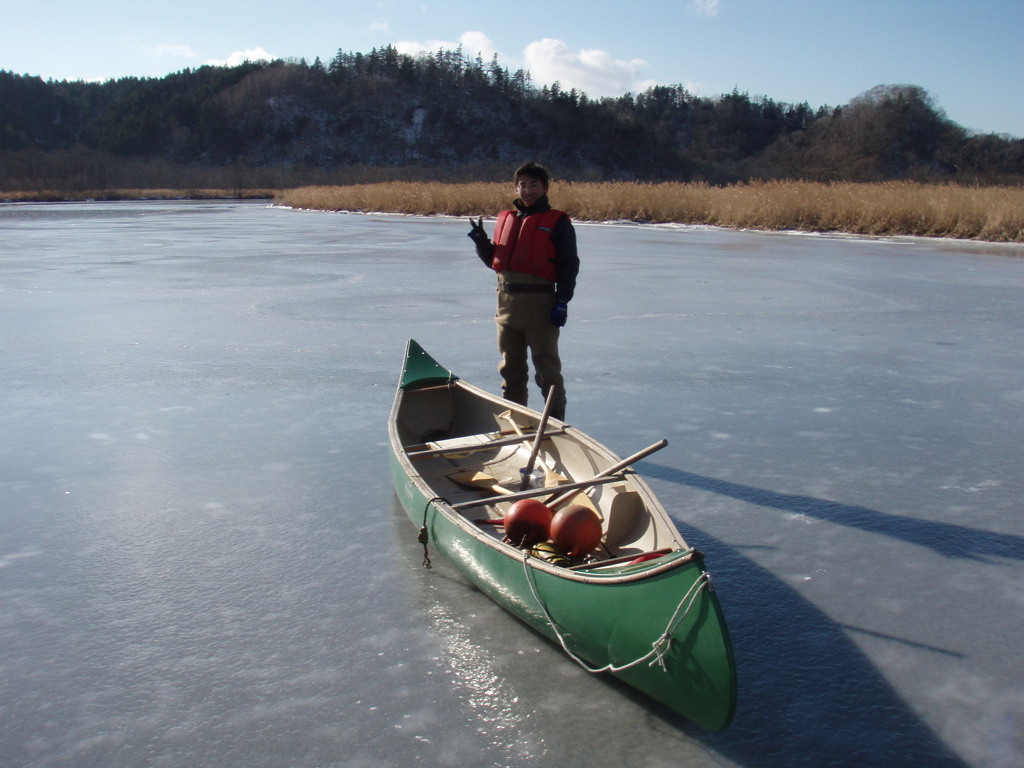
x=534 y=254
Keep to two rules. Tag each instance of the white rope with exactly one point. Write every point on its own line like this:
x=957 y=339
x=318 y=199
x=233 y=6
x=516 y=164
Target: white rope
x=658 y=648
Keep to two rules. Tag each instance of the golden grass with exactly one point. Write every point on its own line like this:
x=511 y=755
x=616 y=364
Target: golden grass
x=892 y=208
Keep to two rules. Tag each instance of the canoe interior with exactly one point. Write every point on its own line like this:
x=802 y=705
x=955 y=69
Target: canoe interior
x=462 y=443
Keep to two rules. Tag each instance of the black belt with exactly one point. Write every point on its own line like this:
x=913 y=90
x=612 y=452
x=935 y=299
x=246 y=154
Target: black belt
x=525 y=287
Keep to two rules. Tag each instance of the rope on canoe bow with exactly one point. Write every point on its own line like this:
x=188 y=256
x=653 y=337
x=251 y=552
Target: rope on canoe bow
x=658 y=648
x=424 y=535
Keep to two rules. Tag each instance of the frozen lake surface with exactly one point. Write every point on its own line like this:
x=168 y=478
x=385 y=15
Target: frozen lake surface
x=202 y=561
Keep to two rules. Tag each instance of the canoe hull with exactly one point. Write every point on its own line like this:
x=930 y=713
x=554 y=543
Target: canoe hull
x=619 y=617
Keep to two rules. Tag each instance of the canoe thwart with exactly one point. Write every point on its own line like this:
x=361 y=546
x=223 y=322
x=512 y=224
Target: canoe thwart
x=469 y=447
x=535 y=492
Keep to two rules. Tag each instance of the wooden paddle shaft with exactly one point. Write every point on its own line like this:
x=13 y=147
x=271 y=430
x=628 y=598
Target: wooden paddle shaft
x=524 y=484
x=615 y=468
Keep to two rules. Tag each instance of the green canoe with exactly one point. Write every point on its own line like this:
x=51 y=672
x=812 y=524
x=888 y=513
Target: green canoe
x=640 y=606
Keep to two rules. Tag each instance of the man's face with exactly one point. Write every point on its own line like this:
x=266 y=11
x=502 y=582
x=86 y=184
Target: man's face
x=530 y=190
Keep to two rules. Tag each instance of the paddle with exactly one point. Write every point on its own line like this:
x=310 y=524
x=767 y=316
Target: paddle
x=559 y=500
x=528 y=471
x=607 y=476
x=477 y=479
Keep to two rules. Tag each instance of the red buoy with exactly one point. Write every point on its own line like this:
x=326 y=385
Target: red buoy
x=576 y=529
x=527 y=522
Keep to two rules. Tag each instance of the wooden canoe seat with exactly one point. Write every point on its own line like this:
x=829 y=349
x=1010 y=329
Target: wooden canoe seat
x=621 y=520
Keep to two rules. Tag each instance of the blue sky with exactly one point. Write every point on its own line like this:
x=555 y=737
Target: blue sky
x=968 y=55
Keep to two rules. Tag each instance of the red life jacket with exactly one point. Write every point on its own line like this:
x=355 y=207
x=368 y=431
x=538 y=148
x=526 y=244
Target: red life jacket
x=533 y=251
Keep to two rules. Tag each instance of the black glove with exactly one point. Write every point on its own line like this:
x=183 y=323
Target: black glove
x=477 y=234
x=560 y=314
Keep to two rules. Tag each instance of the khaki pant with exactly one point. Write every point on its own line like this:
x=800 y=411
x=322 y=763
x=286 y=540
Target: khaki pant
x=525 y=327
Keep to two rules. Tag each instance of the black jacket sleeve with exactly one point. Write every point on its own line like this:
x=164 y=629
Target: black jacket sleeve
x=486 y=252
x=567 y=259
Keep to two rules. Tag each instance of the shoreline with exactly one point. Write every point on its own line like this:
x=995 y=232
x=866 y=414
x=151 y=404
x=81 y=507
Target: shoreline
x=876 y=210
x=121 y=196
x=988 y=214
x=888 y=238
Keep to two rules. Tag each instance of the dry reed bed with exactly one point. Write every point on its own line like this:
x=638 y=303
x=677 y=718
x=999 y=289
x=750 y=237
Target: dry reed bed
x=893 y=208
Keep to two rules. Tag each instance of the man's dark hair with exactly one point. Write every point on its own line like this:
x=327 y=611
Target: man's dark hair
x=534 y=171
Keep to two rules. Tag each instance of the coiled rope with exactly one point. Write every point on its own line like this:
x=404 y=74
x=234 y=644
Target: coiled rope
x=424 y=534
x=658 y=648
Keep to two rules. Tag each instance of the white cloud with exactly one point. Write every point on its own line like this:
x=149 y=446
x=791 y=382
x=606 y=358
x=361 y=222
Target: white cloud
x=704 y=7
x=593 y=71
x=171 y=51
x=472 y=43
x=416 y=47
x=240 y=57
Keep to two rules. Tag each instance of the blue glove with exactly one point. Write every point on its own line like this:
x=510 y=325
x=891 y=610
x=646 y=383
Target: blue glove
x=560 y=314
x=477 y=234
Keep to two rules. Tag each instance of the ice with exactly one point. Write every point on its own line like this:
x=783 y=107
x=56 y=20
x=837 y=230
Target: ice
x=202 y=561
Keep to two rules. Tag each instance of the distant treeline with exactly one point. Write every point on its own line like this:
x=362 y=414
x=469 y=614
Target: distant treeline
x=387 y=116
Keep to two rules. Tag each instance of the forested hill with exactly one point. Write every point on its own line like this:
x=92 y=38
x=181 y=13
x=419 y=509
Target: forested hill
x=448 y=116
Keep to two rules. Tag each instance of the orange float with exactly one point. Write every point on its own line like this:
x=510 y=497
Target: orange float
x=527 y=522
x=576 y=530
